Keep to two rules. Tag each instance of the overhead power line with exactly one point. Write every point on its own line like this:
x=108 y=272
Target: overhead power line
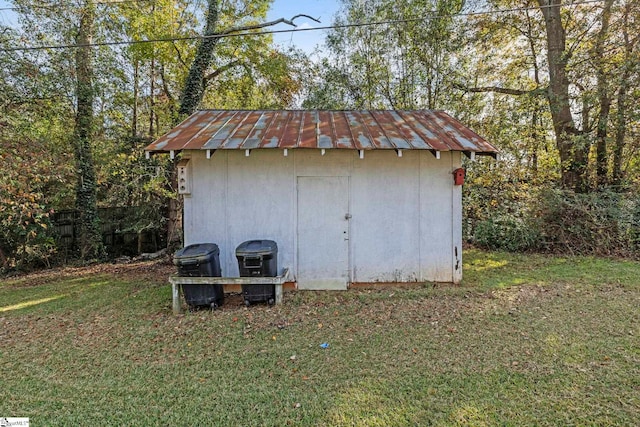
x=241 y=33
x=44 y=5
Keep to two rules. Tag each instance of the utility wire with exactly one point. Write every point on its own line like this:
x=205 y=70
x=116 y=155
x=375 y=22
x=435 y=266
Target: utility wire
x=41 y=5
x=240 y=33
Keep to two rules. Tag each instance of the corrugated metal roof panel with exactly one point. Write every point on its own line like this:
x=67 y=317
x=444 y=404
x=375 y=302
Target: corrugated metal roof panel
x=356 y=130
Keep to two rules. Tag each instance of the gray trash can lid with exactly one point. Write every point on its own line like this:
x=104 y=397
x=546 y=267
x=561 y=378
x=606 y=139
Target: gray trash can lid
x=199 y=251
x=257 y=247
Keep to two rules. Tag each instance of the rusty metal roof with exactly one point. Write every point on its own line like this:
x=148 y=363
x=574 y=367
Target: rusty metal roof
x=356 y=130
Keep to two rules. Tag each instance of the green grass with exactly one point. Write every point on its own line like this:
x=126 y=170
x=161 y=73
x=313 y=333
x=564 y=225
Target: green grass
x=527 y=340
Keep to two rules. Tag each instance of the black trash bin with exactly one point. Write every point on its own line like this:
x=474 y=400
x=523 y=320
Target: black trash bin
x=258 y=258
x=200 y=260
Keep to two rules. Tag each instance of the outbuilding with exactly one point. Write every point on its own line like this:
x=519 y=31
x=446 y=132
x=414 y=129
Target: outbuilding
x=350 y=197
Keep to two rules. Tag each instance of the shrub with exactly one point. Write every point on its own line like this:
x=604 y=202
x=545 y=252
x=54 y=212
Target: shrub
x=25 y=229
x=554 y=220
x=598 y=223
x=507 y=233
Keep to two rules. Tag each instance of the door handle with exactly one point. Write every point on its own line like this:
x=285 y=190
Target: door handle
x=347 y=216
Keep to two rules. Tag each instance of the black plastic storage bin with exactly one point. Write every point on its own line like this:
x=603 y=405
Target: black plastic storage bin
x=258 y=258
x=200 y=260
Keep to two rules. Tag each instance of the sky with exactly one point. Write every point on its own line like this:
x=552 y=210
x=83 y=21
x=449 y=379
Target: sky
x=7 y=17
x=324 y=10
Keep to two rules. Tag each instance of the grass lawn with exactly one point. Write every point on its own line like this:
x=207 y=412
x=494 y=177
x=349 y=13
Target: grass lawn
x=527 y=340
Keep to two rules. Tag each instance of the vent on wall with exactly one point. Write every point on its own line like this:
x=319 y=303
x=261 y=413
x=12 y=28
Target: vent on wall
x=184 y=177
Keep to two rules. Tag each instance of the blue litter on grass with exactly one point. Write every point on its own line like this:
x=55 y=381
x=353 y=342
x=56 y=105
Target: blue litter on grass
x=324 y=345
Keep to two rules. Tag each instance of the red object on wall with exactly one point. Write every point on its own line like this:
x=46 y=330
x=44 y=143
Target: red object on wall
x=458 y=176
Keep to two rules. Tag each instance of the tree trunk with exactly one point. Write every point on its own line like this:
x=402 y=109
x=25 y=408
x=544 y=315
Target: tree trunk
x=134 y=118
x=572 y=147
x=601 y=139
x=175 y=203
x=535 y=137
x=192 y=95
x=603 y=97
x=90 y=239
x=621 y=116
x=621 y=130
x=168 y=94
x=194 y=85
x=4 y=262
x=152 y=89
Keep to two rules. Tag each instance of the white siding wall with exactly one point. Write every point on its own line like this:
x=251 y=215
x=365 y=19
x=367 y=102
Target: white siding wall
x=406 y=213
x=386 y=217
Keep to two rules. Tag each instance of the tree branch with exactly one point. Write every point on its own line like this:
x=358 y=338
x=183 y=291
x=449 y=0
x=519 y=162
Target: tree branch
x=221 y=70
x=503 y=90
x=165 y=87
x=16 y=102
x=173 y=43
x=269 y=24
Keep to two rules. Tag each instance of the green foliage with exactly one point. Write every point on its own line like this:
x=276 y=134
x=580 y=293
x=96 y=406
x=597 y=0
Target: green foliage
x=508 y=234
x=241 y=72
x=26 y=238
x=599 y=223
x=512 y=216
x=488 y=70
x=194 y=86
x=261 y=78
x=130 y=95
x=497 y=205
x=36 y=166
x=492 y=72
x=401 y=65
x=128 y=179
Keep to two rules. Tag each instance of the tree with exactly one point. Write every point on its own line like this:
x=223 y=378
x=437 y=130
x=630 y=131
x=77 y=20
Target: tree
x=90 y=239
x=403 y=64
x=36 y=167
x=117 y=98
x=577 y=69
x=604 y=96
x=198 y=78
x=628 y=78
x=572 y=147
